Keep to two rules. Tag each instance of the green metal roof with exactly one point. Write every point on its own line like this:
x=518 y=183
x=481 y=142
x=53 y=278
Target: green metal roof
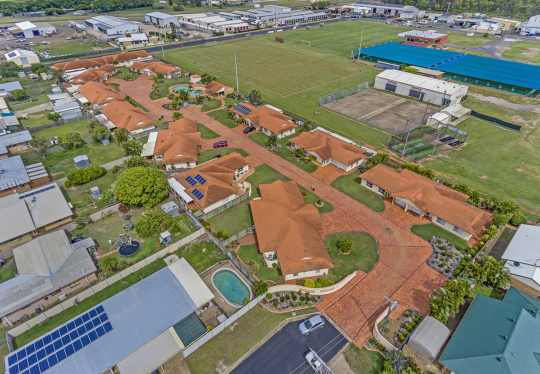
x=518 y=297
x=496 y=337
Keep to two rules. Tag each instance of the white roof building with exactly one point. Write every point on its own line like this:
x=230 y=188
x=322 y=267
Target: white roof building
x=432 y=34
x=112 y=26
x=22 y=57
x=134 y=37
x=31 y=30
x=162 y=19
x=523 y=256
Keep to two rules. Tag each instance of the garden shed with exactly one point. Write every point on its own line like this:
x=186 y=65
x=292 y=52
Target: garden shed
x=165 y=237
x=95 y=192
x=429 y=338
x=170 y=208
x=81 y=161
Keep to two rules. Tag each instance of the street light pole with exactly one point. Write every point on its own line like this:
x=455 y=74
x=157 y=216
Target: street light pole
x=341 y=76
x=236 y=68
x=376 y=32
x=361 y=38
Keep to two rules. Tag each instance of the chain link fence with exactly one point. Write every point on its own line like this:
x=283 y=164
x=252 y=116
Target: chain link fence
x=343 y=93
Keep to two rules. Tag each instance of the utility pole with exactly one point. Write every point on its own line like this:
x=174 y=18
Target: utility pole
x=361 y=38
x=406 y=140
x=436 y=140
x=162 y=51
x=424 y=118
x=376 y=32
x=236 y=68
x=447 y=8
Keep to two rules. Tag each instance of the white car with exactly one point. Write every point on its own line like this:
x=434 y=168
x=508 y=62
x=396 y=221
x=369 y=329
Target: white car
x=474 y=27
x=31 y=43
x=68 y=37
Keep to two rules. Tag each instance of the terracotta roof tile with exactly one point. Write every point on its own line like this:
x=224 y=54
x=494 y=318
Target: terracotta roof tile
x=216 y=86
x=156 y=67
x=99 y=61
x=124 y=115
x=180 y=143
x=92 y=75
x=98 y=93
x=270 y=119
x=429 y=196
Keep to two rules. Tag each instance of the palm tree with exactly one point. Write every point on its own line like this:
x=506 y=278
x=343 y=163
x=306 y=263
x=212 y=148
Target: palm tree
x=108 y=263
x=177 y=116
x=496 y=274
x=445 y=302
x=272 y=140
x=57 y=74
x=114 y=62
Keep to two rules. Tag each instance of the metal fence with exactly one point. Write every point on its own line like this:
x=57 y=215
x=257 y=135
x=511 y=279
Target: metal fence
x=244 y=232
x=37 y=85
x=59 y=123
x=223 y=207
x=343 y=93
x=57 y=148
x=63 y=57
x=496 y=121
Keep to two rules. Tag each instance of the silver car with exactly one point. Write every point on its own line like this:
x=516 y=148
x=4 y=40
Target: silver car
x=307 y=326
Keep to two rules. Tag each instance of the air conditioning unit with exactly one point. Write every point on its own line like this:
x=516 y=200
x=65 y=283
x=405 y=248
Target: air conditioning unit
x=62 y=297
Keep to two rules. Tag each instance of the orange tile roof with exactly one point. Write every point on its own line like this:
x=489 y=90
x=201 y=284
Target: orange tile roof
x=124 y=115
x=195 y=76
x=215 y=86
x=98 y=93
x=286 y=224
x=180 y=143
x=219 y=175
x=156 y=67
x=270 y=119
x=429 y=196
x=92 y=75
x=326 y=146
x=99 y=61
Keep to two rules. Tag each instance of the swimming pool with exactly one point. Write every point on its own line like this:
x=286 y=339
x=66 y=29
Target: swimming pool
x=193 y=92
x=231 y=287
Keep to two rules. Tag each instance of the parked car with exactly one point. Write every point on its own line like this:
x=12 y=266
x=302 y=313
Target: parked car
x=452 y=26
x=43 y=42
x=247 y=130
x=31 y=43
x=68 y=37
x=221 y=144
x=2 y=262
x=309 y=325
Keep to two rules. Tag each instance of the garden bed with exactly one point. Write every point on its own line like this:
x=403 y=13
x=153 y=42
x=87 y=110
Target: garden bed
x=446 y=257
x=290 y=300
x=398 y=330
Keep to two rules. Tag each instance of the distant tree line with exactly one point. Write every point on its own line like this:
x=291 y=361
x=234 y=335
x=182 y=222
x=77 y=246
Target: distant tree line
x=99 y=6
x=516 y=8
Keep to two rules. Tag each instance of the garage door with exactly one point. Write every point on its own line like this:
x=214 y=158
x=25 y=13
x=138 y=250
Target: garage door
x=334 y=162
x=390 y=87
x=24 y=60
x=415 y=92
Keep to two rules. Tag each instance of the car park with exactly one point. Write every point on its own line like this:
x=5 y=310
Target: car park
x=44 y=42
x=309 y=325
x=31 y=43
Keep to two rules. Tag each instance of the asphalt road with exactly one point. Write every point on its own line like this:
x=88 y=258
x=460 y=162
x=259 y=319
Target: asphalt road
x=284 y=352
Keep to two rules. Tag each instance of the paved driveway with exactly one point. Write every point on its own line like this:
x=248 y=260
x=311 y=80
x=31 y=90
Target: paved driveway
x=401 y=273
x=284 y=352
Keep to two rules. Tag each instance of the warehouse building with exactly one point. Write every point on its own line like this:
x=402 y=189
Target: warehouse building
x=405 y=11
x=434 y=91
x=229 y=16
x=161 y=19
x=111 y=26
x=133 y=332
x=192 y=17
x=22 y=57
x=231 y=26
x=28 y=29
x=509 y=76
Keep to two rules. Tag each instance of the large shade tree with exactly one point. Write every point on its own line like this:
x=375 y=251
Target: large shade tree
x=142 y=186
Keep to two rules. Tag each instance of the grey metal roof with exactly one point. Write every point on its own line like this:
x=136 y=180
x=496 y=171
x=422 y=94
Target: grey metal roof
x=169 y=206
x=9 y=120
x=80 y=158
x=54 y=97
x=25 y=212
x=44 y=264
x=68 y=106
x=15 y=138
x=428 y=339
x=12 y=173
x=137 y=315
x=161 y=15
x=10 y=86
x=86 y=242
x=3 y=149
x=36 y=171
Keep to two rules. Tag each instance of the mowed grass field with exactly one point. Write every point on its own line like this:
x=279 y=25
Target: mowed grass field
x=528 y=52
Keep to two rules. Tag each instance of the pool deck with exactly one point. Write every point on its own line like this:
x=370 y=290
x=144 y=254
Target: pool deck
x=207 y=279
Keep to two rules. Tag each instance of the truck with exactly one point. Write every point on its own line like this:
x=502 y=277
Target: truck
x=316 y=363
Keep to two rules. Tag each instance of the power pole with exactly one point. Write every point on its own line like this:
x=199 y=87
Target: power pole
x=376 y=32
x=341 y=76
x=236 y=68
x=358 y=84
x=361 y=38
x=406 y=140
x=424 y=118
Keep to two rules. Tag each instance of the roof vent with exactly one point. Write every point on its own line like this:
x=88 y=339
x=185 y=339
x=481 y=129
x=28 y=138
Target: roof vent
x=505 y=337
x=516 y=264
x=499 y=359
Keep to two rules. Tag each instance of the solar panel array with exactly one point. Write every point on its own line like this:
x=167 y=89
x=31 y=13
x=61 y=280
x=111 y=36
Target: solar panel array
x=447 y=139
x=48 y=351
x=198 y=194
x=36 y=192
x=242 y=109
x=199 y=178
x=456 y=143
x=192 y=182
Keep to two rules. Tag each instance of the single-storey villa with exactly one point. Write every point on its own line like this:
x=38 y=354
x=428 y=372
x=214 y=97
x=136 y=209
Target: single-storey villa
x=123 y=59
x=17 y=178
x=218 y=89
x=329 y=150
x=6 y=88
x=289 y=231
x=445 y=206
x=195 y=78
x=100 y=74
x=177 y=147
x=212 y=184
x=48 y=268
x=121 y=114
x=265 y=119
x=98 y=94
x=153 y=68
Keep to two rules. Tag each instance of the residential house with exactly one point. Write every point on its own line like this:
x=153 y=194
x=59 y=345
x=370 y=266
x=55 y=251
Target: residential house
x=289 y=231
x=98 y=94
x=445 y=206
x=177 y=147
x=195 y=78
x=17 y=178
x=496 y=336
x=212 y=184
x=522 y=259
x=22 y=57
x=218 y=89
x=43 y=208
x=15 y=142
x=99 y=74
x=121 y=114
x=60 y=98
x=68 y=110
x=265 y=119
x=48 y=267
x=3 y=106
x=153 y=68
x=6 y=88
x=329 y=150
x=123 y=59
x=9 y=123
x=137 y=41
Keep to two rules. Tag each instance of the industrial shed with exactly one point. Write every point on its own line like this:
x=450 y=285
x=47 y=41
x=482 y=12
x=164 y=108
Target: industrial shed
x=161 y=19
x=429 y=338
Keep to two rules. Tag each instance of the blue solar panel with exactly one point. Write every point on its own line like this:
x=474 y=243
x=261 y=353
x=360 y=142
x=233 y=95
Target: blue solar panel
x=242 y=109
x=32 y=359
x=103 y=317
x=58 y=344
x=85 y=340
x=66 y=339
x=85 y=317
x=38 y=344
x=55 y=335
x=21 y=354
x=71 y=326
x=35 y=369
x=89 y=326
x=77 y=345
x=78 y=322
x=52 y=360
x=14 y=369
x=199 y=178
x=96 y=322
x=100 y=309
x=63 y=330
x=107 y=326
x=93 y=336
x=191 y=181
x=61 y=354
x=23 y=364
x=41 y=354
x=49 y=349
x=30 y=349
x=12 y=359
x=100 y=331
x=81 y=330
x=69 y=350
x=74 y=334
x=93 y=313
x=47 y=339
x=43 y=365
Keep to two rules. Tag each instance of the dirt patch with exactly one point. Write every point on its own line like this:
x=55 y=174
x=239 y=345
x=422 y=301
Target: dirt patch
x=221 y=367
x=483 y=177
x=233 y=326
x=35 y=115
x=501 y=102
x=532 y=52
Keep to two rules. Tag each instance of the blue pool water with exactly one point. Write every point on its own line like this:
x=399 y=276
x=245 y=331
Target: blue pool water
x=231 y=287
x=186 y=88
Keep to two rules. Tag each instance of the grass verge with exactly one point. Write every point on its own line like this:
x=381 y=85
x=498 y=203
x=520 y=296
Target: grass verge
x=211 y=105
x=221 y=116
x=206 y=133
x=363 y=361
x=350 y=185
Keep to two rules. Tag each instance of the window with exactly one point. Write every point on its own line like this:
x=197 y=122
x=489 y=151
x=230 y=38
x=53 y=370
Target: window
x=381 y=190
x=56 y=292
x=13 y=240
x=25 y=234
x=458 y=230
x=295 y=275
x=317 y=271
x=440 y=221
x=74 y=284
x=369 y=184
x=241 y=169
x=3 y=243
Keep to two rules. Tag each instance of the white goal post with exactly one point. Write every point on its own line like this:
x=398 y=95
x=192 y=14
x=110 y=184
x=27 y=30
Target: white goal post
x=210 y=43
x=305 y=42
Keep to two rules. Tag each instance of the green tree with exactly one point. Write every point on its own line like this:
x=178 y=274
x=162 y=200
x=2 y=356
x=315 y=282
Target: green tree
x=57 y=74
x=153 y=222
x=114 y=62
x=136 y=161
x=518 y=219
x=70 y=139
x=53 y=116
x=207 y=78
x=177 y=115
x=100 y=133
x=345 y=245
x=142 y=186
x=255 y=98
x=178 y=7
x=496 y=274
x=9 y=69
x=260 y=288
x=132 y=148
x=121 y=135
x=85 y=175
x=271 y=141
x=445 y=302
x=108 y=263
x=19 y=94
x=38 y=68
x=39 y=144
x=183 y=95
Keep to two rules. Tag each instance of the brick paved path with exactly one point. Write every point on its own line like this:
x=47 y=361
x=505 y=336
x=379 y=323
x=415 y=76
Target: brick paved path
x=401 y=273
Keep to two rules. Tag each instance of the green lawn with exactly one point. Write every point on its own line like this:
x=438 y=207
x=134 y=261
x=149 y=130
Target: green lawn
x=229 y=101
x=124 y=72
x=35 y=119
x=206 y=133
x=507 y=233
x=135 y=103
x=33 y=94
x=211 y=153
x=362 y=257
x=528 y=52
x=249 y=253
x=7 y=273
x=430 y=230
x=481 y=289
x=221 y=116
x=73 y=46
x=61 y=163
x=211 y=105
x=80 y=196
x=79 y=126
x=232 y=343
x=200 y=260
x=462 y=40
x=163 y=90
x=87 y=303
x=350 y=185
x=363 y=361
x=284 y=152
x=116 y=86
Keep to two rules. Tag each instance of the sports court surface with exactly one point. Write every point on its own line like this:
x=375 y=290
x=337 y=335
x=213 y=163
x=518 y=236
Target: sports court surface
x=382 y=110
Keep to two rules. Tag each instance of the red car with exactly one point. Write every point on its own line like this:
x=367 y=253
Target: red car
x=221 y=144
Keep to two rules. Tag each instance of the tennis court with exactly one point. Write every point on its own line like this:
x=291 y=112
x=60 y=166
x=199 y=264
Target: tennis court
x=382 y=110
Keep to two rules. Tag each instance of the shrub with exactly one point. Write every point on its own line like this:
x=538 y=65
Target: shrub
x=405 y=333
x=456 y=272
x=287 y=297
x=277 y=294
x=401 y=338
x=413 y=324
x=282 y=299
x=309 y=283
x=246 y=301
x=85 y=175
x=318 y=285
x=325 y=282
x=472 y=252
x=409 y=328
x=304 y=193
x=116 y=169
x=294 y=297
x=123 y=208
x=518 y=219
x=345 y=245
x=467 y=258
x=260 y=288
x=225 y=235
x=313 y=299
x=269 y=296
x=153 y=222
x=302 y=298
x=142 y=186
x=275 y=304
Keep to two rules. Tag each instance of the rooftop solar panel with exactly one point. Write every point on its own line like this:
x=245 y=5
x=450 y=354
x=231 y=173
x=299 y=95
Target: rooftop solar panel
x=23 y=365
x=100 y=309
x=93 y=313
x=30 y=349
x=77 y=345
x=63 y=330
x=242 y=109
x=52 y=360
x=85 y=317
x=55 y=335
x=49 y=349
x=71 y=326
x=35 y=369
x=74 y=334
x=191 y=181
x=43 y=365
x=21 y=354
x=38 y=344
x=103 y=317
x=61 y=355
x=32 y=359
